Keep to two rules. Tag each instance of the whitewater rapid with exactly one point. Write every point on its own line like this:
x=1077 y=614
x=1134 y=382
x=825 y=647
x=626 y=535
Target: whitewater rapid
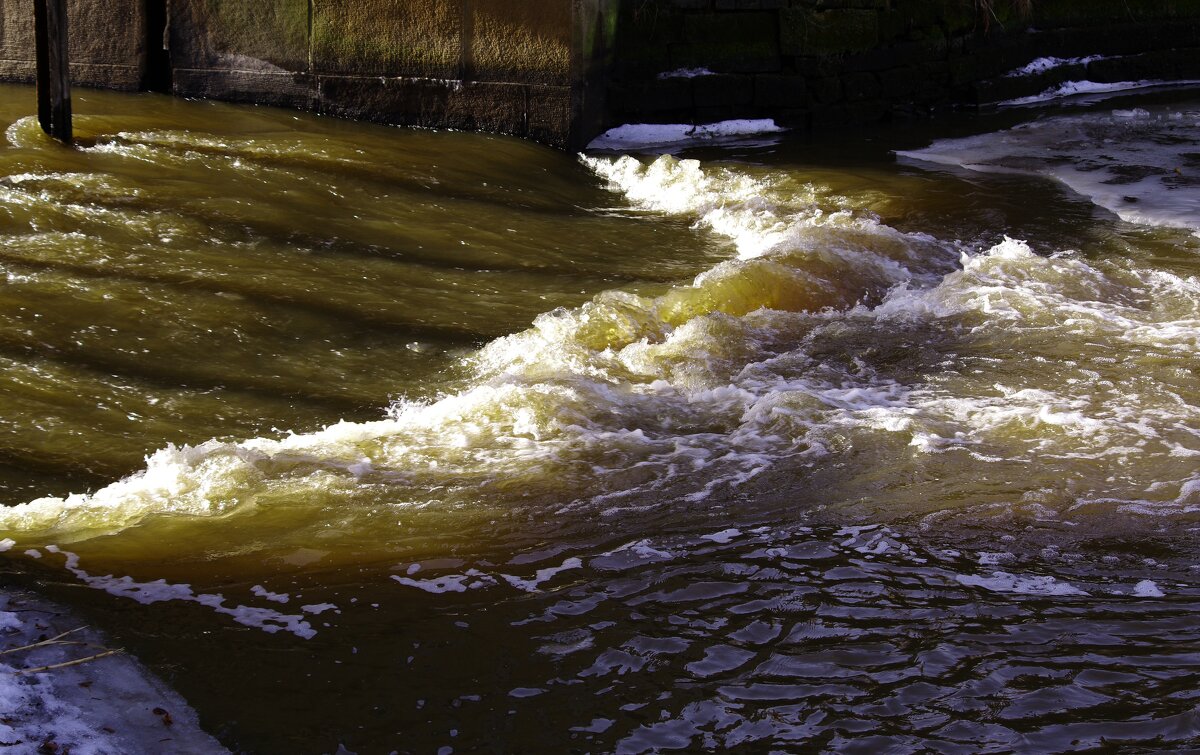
x=631 y=400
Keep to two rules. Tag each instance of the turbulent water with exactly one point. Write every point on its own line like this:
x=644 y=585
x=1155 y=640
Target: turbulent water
x=454 y=444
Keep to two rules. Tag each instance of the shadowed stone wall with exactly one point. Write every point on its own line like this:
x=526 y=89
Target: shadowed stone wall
x=112 y=53
x=559 y=70
x=831 y=63
x=506 y=66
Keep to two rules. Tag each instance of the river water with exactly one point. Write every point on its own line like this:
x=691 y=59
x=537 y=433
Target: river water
x=410 y=441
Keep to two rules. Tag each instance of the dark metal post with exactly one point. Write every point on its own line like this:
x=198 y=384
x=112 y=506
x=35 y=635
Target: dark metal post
x=53 y=68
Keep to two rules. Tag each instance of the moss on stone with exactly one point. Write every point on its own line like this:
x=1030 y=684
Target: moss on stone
x=516 y=37
x=385 y=38
x=274 y=31
x=830 y=32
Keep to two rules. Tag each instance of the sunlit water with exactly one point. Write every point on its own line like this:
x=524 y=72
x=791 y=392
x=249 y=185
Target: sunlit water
x=407 y=441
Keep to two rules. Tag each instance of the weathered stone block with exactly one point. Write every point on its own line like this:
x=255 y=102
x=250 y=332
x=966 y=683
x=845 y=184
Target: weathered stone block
x=516 y=40
x=828 y=32
x=265 y=35
x=653 y=96
x=830 y=117
x=108 y=33
x=1065 y=13
x=386 y=38
x=641 y=62
x=860 y=86
x=899 y=83
x=780 y=91
x=724 y=89
x=729 y=42
x=400 y=101
x=106 y=42
x=1151 y=65
x=793 y=118
x=106 y=76
x=487 y=106
x=16 y=42
x=867 y=111
x=484 y=106
x=278 y=88
x=1187 y=62
x=712 y=114
x=825 y=89
x=549 y=115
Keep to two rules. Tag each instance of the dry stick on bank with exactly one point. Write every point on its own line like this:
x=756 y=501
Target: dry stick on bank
x=58 y=640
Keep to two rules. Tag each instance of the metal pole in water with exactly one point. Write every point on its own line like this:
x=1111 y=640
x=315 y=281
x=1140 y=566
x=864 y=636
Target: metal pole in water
x=53 y=68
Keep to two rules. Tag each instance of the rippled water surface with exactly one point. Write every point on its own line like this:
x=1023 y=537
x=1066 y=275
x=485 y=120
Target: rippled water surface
x=427 y=442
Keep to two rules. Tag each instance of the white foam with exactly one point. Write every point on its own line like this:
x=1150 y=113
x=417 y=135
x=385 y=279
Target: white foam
x=1147 y=589
x=1076 y=88
x=1049 y=63
x=317 y=609
x=542 y=576
x=687 y=393
x=724 y=537
x=1137 y=175
x=262 y=592
x=473 y=579
x=10 y=621
x=1074 y=415
x=158 y=591
x=685 y=73
x=641 y=136
x=1005 y=582
x=597 y=726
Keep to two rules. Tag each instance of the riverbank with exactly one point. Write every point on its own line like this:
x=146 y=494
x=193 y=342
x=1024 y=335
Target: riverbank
x=108 y=705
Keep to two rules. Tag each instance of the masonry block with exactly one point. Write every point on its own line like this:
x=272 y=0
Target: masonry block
x=105 y=39
x=264 y=35
x=518 y=40
x=780 y=91
x=388 y=38
x=277 y=88
x=723 y=89
x=860 y=86
x=729 y=42
x=828 y=32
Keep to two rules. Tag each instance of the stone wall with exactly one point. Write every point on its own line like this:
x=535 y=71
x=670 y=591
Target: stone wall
x=558 y=70
x=506 y=66
x=114 y=56
x=831 y=63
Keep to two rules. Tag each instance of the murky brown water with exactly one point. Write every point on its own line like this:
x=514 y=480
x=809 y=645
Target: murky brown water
x=806 y=448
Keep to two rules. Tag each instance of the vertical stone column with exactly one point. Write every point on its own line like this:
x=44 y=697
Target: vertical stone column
x=593 y=38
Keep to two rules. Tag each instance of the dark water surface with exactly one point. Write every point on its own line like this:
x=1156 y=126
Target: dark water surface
x=432 y=442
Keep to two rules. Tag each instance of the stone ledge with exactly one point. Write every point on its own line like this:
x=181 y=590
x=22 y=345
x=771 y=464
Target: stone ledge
x=17 y=71
x=516 y=109
x=262 y=87
x=107 y=76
